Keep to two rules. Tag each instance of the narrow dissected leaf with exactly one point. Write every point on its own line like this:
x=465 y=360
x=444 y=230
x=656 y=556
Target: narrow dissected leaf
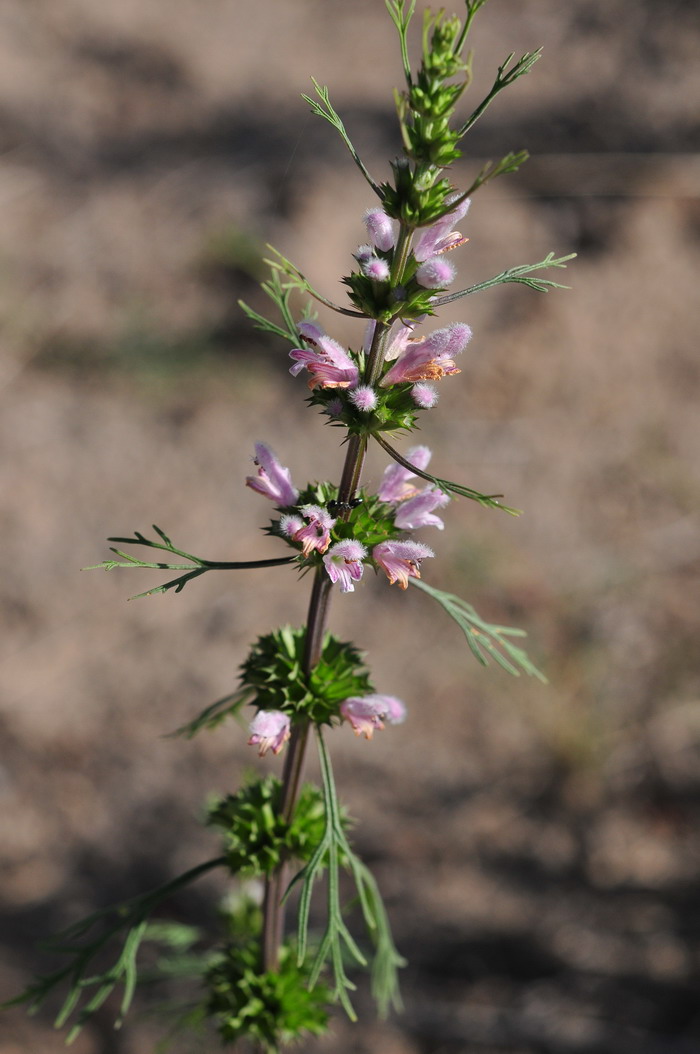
x=484 y=636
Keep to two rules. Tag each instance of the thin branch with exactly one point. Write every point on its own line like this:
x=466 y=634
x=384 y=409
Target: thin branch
x=517 y=275
x=504 y=78
x=300 y=282
x=490 y=501
x=325 y=109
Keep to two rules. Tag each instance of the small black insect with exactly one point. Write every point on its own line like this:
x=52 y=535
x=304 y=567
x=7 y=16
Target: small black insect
x=336 y=507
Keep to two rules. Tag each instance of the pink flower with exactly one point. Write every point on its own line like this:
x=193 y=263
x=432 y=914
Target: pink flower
x=395 y=486
x=343 y=563
x=418 y=511
x=438 y=238
x=364 y=398
x=424 y=396
x=400 y=334
x=289 y=525
x=395 y=709
x=430 y=358
x=400 y=560
x=315 y=534
x=367 y=713
x=435 y=273
x=328 y=363
x=272 y=480
x=269 y=729
x=375 y=268
x=380 y=229
x=364 y=253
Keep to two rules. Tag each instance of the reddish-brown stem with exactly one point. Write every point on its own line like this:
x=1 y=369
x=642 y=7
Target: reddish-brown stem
x=275 y=885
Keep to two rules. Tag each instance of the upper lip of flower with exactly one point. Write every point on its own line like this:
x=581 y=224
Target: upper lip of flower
x=329 y=364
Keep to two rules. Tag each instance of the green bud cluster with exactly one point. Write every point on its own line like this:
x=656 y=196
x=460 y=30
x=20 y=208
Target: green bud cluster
x=425 y=109
x=256 y=836
x=427 y=105
x=274 y=670
x=270 y=1008
x=415 y=202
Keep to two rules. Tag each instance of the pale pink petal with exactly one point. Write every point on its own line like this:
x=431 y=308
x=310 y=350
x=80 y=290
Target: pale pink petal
x=272 y=479
x=400 y=560
x=269 y=730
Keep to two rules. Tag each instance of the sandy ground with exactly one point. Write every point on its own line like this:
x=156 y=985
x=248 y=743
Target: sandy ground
x=537 y=846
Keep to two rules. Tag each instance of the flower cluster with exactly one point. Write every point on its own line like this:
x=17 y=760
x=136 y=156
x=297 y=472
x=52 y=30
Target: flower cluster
x=374 y=288
x=338 y=688
x=338 y=376
x=400 y=506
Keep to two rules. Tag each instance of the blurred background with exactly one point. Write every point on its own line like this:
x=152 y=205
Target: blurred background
x=538 y=846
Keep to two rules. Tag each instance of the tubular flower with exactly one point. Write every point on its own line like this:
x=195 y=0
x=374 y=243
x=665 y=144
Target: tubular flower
x=400 y=560
x=328 y=363
x=401 y=333
x=380 y=229
x=430 y=358
x=368 y=712
x=316 y=533
x=418 y=511
x=395 y=486
x=343 y=562
x=439 y=238
x=272 y=479
x=269 y=730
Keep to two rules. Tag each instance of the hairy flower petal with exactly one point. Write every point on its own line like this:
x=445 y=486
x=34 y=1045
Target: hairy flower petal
x=417 y=512
x=429 y=241
x=315 y=533
x=430 y=358
x=424 y=396
x=395 y=486
x=380 y=229
x=343 y=562
x=327 y=361
x=364 y=398
x=435 y=273
x=368 y=712
x=400 y=560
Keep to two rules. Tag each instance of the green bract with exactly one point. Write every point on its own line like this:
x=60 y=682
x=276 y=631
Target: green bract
x=272 y=1008
x=395 y=411
x=256 y=836
x=274 y=670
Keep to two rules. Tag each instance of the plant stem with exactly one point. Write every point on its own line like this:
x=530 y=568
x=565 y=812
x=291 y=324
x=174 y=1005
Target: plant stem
x=276 y=883
x=317 y=618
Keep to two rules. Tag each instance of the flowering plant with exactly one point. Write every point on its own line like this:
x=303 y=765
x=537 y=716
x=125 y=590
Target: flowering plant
x=261 y=984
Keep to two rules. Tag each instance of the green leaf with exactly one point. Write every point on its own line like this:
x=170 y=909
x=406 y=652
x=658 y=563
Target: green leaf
x=519 y=275
x=131 y=918
x=214 y=714
x=333 y=851
x=484 y=638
